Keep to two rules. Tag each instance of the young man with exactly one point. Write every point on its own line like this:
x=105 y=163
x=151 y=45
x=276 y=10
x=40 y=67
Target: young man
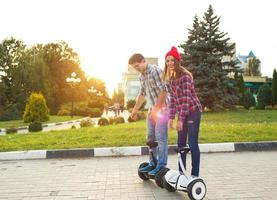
x=153 y=88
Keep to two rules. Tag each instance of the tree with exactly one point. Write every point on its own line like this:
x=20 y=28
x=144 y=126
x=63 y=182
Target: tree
x=274 y=88
x=62 y=60
x=118 y=96
x=11 y=53
x=264 y=96
x=241 y=88
x=248 y=100
x=253 y=67
x=36 y=109
x=207 y=54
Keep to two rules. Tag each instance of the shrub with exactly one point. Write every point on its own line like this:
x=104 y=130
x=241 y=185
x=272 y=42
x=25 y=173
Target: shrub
x=131 y=103
x=264 y=96
x=36 y=109
x=95 y=112
x=111 y=120
x=10 y=113
x=119 y=120
x=80 y=109
x=141 y=115
x=86 y=123
x=103 y=121
x=11 y=130
x=130 y=119
x=248 y=100
x=35 y=126
x=64 y=112
x=96 y=103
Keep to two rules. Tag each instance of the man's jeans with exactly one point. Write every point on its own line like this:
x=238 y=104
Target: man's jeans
x=191 y=128
x=157 y=131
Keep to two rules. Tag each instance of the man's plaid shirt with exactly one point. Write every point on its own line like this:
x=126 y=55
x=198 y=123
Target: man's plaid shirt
x=183 y=98
x=152 y=84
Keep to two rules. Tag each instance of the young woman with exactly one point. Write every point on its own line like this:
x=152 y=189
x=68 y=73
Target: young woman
x=184 y=102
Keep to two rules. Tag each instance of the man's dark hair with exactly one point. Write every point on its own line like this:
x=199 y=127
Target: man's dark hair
x=137 y=57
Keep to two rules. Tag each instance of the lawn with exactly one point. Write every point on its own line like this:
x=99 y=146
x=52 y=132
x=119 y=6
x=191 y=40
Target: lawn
x=232 y=126
x=20 y=123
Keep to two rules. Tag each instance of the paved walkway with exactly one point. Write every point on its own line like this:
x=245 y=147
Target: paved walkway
x=62 y=126
x=237 y=176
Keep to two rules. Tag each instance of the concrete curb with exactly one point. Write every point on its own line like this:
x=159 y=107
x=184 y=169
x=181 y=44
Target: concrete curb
x=133 y=151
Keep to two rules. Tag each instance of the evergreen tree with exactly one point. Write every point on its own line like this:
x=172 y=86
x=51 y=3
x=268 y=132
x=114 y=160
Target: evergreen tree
x=248 y=100
x=36 y=109
x=206 y=54
x=264 y=96
x=274 y=88
x=241 y=89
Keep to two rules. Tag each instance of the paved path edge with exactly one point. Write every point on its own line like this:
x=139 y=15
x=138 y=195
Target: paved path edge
x=133 y=151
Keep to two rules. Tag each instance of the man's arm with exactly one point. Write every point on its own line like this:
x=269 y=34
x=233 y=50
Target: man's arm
x=139 y=102
x=161 y=99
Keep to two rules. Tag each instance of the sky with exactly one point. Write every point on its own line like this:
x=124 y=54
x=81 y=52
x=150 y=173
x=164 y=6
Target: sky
x=105 y=33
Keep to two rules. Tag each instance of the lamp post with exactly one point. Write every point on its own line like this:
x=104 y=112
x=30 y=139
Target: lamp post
x=92 y=90
x=72 y=81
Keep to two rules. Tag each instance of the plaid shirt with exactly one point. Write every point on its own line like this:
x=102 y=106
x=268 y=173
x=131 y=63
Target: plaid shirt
x=183 y=98
x=152 y=84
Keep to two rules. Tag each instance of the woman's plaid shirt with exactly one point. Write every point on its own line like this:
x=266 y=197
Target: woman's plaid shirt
x=183 y=98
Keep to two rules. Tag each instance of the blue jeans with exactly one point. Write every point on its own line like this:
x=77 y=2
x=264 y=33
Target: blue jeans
x=191 y=129
x=157 y=131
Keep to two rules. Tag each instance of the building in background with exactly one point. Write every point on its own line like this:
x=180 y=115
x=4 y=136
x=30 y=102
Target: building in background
x=243 y=61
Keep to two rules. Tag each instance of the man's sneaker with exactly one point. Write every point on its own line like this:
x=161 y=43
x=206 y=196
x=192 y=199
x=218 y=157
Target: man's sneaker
x=154 y=171
x=147 y=168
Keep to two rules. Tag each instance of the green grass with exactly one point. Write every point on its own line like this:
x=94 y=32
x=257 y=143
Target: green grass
x=20 y=123
x=234 y=126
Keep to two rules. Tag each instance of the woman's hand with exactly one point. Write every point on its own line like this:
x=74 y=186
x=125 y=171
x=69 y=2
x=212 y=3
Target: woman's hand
x=179 y=125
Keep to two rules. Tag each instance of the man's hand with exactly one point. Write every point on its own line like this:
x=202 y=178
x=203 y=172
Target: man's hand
x=179 y=125
x=170 y=123
x=134 y=114
x=154 y=113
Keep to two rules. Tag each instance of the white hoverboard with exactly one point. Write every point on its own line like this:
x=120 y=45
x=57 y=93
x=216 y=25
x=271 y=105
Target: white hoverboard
x=174 y=180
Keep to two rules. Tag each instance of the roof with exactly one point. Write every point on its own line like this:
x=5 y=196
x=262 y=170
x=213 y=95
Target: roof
x=243 y=58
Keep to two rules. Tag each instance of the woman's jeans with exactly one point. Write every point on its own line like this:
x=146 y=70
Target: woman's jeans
x=191 y=129
x=157 y=131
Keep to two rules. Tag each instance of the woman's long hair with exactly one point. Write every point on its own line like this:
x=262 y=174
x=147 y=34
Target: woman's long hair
x=177 y=73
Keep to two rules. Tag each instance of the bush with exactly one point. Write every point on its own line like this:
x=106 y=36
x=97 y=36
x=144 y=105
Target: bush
x=130 y=119
x=141 y=115
x=10 y=113
x=131 y=103
x=11 y=130
x=95 y=112
x=111 y=120
x=264 y=96
x=86 y=123
x=35 y=126
x=119 y=120
x=64 y=112
x=103 y=121
x=96 y=103
x=36 y=109
x=248 y=100
x=80 y=109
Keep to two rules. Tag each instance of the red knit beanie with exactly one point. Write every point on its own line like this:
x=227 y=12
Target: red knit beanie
x=174 y=52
